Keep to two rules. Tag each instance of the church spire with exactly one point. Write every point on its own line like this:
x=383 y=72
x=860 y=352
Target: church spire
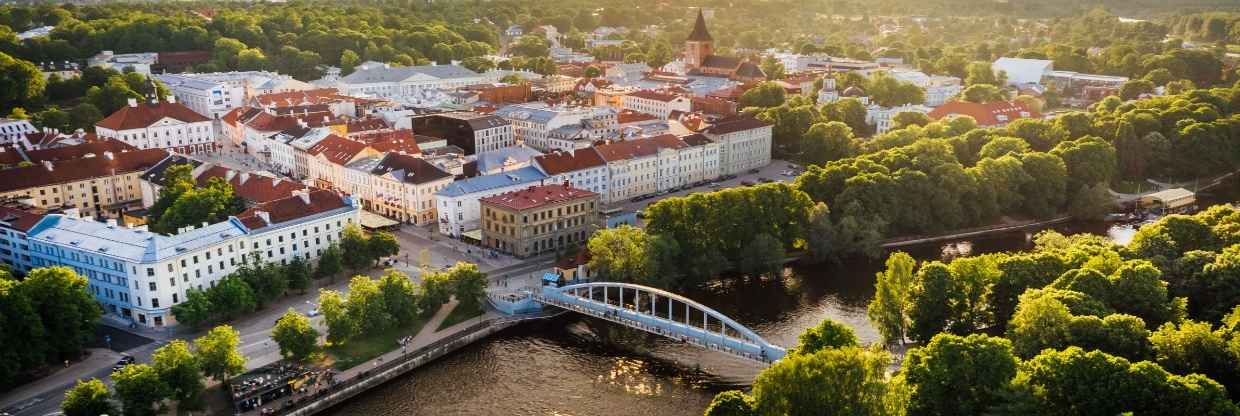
x=699 y=33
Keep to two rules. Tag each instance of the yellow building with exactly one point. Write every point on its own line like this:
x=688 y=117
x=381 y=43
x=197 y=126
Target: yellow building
x=103 y=185
x=539 y=219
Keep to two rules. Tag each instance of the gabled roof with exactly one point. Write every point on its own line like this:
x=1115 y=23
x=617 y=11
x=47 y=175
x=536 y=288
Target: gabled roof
x=300 y=205
x=337 y=149
x=366 y=124
x=19 y=219
x=409 y=169
x=398 y=74
x=251 y=187
x=632 y=149
x=985 y=114
x=79 y=169
x=560 y=161
x=697 y=139
x=143 y=115
x=78 y=151
x=722 y=62
x=488 y=182
x=400 y=141
x=749 y=70
x=155 y=174
x=654 y=95
x=537 y=196
x=735 y=124
x=699 y=33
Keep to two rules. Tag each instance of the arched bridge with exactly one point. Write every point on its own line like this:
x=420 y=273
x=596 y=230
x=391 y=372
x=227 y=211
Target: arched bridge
x=662 y=313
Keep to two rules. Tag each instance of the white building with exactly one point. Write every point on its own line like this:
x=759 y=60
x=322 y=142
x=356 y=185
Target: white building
x=401 y=83
x=938 y=88
x=139 y=275
x=656 y=103
x=457 y=204
x=582 y=168
x=214 y=94
x=744 y=144
x=137 y=62
x=14 y=132
x=1023 y=71
x=880 y=117
x=547 y=128
x=160 y=125
x=644 y=166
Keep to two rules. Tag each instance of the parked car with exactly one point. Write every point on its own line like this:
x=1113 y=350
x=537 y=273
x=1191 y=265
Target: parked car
x=747 y=183
x=755 y=170
x=124 y=361
x=765 y=180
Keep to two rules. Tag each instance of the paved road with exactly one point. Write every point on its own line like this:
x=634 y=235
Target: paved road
x=773 y=171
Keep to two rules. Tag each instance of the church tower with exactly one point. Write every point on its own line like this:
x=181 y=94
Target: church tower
x=699 y=45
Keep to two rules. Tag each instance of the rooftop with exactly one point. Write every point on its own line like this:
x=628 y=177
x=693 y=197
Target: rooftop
x=488 y=182
x=107 y=164
x=409 y=169
x=142 y=115
x=537 y=196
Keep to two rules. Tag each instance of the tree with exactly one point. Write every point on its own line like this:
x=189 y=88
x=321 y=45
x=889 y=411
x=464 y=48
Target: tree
x=23 y=338
x=400 y=297
x=1091 y=202
x=909 y=118
x=826 y=142
x=436 y=291
x=1002 y=146
x=195 y=310
x=21 y=82
x=297 y=273
x=218 y=355
x=731 y=403
x=329 y=263
x=887 y=91
x=1039 y=322
x=140 y=389
x=530 y=46
x=828 y=334
x=773 y=68
x=354 y=242
x=468 y=283
x=1064 y=382
x=178 y=369
x=849 y=381
x=67 y=311
x=212 y=204
x=958 y=375
x=764 y=95
x=891 y=298
x=982 y=93
x=178 y=180
x=1046 y=195
x=1194 y=347
x=366 y=305
x=1133 y=89
x=593 y=72
x=382 y=244
x=88 y=398
x=296 y=337
x=930 y=309
x=478 y=64
x=348 y=61
x=764 y=255
x=340 y=324
x=981 y=73
x=1090 y=161
x=232 y=297
x=1042 y=135
x=84 y=116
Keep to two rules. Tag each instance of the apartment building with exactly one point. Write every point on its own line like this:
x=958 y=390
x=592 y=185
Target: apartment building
x=547 y=128
x=473 y=132
x=539 y=219
x=744 y=143
x=655 y=103
x=103 y=185
x=216 y=93
x=457 y=203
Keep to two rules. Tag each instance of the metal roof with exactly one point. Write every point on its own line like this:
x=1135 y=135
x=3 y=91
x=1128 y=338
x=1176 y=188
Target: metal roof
x=488 y=182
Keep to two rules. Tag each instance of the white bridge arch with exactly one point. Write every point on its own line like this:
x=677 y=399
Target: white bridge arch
x=657 y=316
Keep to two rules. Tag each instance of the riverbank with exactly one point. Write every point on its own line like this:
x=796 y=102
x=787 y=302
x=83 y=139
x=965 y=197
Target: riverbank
x=974 y=232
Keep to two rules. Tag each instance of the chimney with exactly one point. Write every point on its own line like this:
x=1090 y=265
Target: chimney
x=108 y=155
x=245 y=176
x=230 y=175
x=171 y=99
x=264 y=215
x=133 y=102
x=48 y=165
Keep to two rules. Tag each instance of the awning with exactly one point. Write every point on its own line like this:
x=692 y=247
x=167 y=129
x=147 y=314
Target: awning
x=475 y=235
x=372 y=221
x=1170 y=198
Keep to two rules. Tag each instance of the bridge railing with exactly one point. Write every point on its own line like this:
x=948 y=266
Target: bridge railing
x=667 y=328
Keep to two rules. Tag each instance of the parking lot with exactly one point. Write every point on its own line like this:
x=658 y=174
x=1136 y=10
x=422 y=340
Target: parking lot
x=774 y=172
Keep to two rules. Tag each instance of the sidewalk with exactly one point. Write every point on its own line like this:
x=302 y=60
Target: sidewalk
x=33 y=393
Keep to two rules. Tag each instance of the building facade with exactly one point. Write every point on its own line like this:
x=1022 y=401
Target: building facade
x=658 y=104
x=744 y=144
x=457 y=203
x=104 y=185
x=160 y=125
x=547 y=128
x=539 y=219
x=14 y=132
x=473 y=132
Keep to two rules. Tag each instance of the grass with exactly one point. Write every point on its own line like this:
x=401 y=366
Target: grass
x=362 y=349
x=461 y=313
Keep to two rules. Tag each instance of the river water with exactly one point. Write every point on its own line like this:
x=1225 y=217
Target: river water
x=562 y=367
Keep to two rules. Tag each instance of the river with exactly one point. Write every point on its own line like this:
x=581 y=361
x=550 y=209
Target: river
x=562 y=368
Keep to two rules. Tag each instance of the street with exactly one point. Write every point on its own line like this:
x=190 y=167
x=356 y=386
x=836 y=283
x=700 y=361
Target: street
x=773 y=171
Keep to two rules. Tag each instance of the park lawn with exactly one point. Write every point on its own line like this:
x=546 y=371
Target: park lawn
x=461 y=313
x=362 y=349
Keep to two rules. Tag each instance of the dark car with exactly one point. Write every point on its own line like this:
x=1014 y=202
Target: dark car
x=766 y=180
x=747 y=183
x=755 y=170
x=124 y=361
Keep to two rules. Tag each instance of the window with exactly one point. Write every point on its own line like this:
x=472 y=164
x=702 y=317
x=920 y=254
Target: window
x=172 y=281
x=150 y=271
x=152 y=285
x=154 y=302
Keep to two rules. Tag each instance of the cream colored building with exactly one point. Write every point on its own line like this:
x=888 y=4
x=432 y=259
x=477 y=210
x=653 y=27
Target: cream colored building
x=102 y=186
x=539 y=219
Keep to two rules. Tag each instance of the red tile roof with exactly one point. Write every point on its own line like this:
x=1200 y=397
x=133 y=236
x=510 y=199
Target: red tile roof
x=250 y=187
x=80 y=169
x=366 y=124
x=144 y=114
x=78 y=151
x=10 y=156
x=337 y=149
x=654 y=95
x=401 y=141
x=630 y=116
x=559 y=161
x=537 y=196
x=735 y=124
x=316 y=96
x=19 y=219
x=986 y=114
x=303 y=204
x=630 y=149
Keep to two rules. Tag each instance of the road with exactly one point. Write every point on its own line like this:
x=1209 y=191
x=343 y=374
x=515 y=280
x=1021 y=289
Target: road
x=773 y=171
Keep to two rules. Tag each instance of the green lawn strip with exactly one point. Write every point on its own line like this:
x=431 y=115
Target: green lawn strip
x=460 y=313
x=362 y=349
